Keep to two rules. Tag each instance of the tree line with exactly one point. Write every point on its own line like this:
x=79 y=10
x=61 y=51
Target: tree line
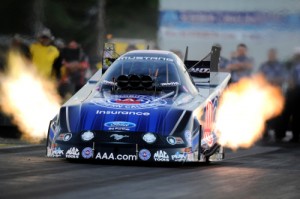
x=86 y=21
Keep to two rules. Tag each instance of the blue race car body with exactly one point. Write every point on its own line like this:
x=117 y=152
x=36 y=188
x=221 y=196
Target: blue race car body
x=146 y=107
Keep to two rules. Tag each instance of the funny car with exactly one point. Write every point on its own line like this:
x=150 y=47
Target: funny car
x=149 y=106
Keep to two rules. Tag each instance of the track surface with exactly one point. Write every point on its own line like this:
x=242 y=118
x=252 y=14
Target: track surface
x=262 y=172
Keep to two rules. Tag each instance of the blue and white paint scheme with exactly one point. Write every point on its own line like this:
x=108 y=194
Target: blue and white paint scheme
x=147 y=102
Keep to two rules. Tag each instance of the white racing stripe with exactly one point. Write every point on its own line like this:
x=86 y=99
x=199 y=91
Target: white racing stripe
x=68 y=119
x=177 y=123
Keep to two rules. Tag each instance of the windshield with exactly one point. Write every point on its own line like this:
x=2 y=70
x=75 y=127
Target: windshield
x=163 y=72
x=147 y=74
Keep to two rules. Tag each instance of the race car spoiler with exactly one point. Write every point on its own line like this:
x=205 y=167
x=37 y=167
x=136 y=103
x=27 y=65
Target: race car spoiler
x=205 y=68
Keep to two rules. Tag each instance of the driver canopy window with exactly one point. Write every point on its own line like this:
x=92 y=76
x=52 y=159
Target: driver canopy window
x=162 y=71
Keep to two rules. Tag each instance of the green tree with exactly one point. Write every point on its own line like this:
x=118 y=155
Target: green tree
x=86 y=21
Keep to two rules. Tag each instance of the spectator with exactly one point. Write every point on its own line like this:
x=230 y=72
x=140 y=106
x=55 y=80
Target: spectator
x=75 y=65
x=43 y=53
x=241 y=65
x=233 y=54
x=60 y=45
x=273 y=70
x=292 y=106
x=276 y=74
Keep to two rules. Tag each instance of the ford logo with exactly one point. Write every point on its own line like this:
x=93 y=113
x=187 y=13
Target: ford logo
x=119 y=124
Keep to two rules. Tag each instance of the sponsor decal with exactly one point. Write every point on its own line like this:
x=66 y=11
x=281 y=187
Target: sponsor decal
x=72 y=153
x=208 y=125
x=170 y=84
x=56 y=152
x=60 y=136
x=99 y=112
x=64 y=136
x=188 y=137
x=190 y=157
x=129 y=102
x=161 y=156
x=87 y=153
x=149 y=138
x=110 y=83
x=67 y=137
x=146 y=58
x=87 y=136
x=174 y=140
x=118 y=137
x=171 y=140
x=179 y=157
x=144 y=154
x=199 y=70
x=119 y=125
x=188 y=150
x=179 y=140
x=111 y=156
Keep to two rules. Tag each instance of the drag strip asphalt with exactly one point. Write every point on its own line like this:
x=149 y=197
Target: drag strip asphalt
x=260 y=172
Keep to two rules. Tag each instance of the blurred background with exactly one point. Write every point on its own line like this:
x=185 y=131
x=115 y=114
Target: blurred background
x=164 y=24
x=87 y=22
x=261 y=24
x=74 y=32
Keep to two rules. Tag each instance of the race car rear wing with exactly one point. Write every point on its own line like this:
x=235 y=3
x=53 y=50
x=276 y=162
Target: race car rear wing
x=205 y=68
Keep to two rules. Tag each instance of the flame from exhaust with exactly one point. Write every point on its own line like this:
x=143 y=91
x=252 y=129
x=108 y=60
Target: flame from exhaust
x=31 y=100
x=244 y=108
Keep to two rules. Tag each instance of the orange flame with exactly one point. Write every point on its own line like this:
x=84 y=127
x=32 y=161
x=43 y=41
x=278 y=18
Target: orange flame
x=244 y=108
x=31 y=100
